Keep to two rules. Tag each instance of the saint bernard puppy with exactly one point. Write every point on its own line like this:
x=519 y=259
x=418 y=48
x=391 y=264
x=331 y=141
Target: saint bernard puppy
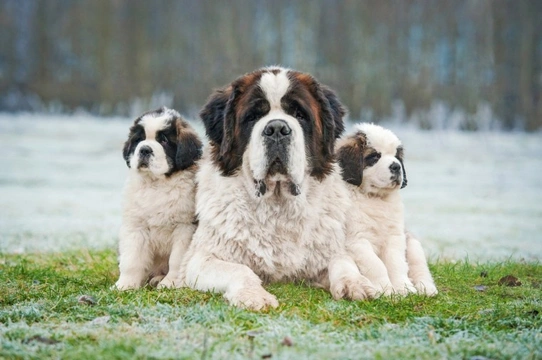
x=159 y=199
x=271 y=200
x=393 y=260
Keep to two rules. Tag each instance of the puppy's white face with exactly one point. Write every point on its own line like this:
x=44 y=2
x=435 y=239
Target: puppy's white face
x=276 y=125
x=372 y=158
x=161 y=143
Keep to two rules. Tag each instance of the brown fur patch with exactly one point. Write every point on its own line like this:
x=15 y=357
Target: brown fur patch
x=350 y=154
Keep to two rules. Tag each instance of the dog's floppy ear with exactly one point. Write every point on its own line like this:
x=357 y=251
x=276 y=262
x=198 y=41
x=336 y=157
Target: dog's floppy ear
x=189 y=146
x=135 y=136
x=337 y=110
x=218 y=116
x=212 y=114
x=400 y=156
x=350 y=158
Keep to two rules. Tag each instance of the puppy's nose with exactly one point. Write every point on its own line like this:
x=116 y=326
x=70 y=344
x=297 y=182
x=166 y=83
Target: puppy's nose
x=395 y=167
x=277 y=129
x=145 y=151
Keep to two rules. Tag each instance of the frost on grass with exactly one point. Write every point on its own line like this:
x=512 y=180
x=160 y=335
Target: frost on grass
x=469 y=194
x=165 y=331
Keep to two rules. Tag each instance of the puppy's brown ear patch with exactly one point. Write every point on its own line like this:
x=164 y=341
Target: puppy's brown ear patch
x=400 y=156
x=189 y=146
x=350 y=158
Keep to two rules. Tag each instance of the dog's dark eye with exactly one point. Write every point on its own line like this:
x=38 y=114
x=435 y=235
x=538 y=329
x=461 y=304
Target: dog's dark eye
x=162 y=139
x=372 y=159
x=251 y=117
x=299 y=115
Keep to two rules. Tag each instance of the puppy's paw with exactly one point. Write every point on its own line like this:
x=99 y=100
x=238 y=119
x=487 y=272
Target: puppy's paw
x=169 y=283
x=405 y=288
x=126 y=284
x=353 y=289
x=427 y=288
x=252 y=299
x=384 y=289
x=155 y=280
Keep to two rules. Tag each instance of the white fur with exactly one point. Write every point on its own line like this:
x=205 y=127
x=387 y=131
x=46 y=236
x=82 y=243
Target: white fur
x=376 y=233
x=242 y=239
x=157 y=226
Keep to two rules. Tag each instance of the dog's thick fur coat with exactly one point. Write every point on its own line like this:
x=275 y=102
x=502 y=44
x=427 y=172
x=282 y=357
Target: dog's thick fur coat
x=159 y=200
x=270 y=199
x=394 y=261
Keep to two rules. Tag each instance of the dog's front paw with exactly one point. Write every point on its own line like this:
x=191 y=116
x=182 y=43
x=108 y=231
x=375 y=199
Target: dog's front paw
x=384 y=289
x=126 y=284
x=353 y=289
x=169 y=283
x=252 y=299
x=427 y=288
x=404 y=288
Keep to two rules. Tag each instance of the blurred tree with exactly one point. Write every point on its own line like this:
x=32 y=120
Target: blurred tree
x=438 y=63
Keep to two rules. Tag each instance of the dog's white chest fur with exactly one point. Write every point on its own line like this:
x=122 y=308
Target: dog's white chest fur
x=279 y=238
x=160 y=205
x=378 y=220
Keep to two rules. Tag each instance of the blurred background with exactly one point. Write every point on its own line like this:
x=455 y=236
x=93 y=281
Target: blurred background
x=459 y=81
x=460 y=64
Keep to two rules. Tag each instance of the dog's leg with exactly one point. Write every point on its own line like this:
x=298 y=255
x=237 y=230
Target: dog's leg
x=371 y=266
x=181 y=238
x=135 y=258
x=239 y=284
x=345 y=280
x=394 y=257
x=418 y=271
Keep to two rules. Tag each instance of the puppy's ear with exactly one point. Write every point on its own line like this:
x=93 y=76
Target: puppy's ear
x=189 y=146
x=350 y=158
x=135 y=136
x=400 y=156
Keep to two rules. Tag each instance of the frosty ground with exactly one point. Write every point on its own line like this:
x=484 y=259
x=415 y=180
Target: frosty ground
x=475 y=195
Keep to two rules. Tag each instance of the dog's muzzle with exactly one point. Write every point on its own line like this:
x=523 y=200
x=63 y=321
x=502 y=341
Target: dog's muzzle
x=145 y=153
x=277 y=136
x=396 y=174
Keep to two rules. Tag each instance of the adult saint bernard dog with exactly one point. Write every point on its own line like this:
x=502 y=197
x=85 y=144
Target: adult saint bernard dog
x=271 y=199
x=393 y=260
x=159 y=199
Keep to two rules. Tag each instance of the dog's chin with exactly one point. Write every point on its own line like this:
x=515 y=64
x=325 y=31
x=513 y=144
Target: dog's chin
x=277 y=182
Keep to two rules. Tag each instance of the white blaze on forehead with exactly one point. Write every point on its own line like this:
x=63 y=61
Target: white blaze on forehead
x=274 y=87
x=379 y=138
x=154 y=122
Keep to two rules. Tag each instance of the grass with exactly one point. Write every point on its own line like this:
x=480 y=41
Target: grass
x=41 y=317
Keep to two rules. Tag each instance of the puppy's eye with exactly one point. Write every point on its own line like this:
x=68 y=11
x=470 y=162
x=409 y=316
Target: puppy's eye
x=299 y=115
x=372 y=159
x=162 y=139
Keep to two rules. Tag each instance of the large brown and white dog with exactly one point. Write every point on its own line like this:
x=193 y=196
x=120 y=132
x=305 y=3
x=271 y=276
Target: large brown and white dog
x=372 y=163
x=159 y=209
x=270 y=199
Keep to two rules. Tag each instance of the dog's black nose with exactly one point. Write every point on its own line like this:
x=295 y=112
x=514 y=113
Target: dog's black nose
x=145 y=151
x=395 y=167
x=277 y=129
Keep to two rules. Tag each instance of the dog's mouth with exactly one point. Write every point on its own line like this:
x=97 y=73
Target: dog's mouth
x=143 y=163
x=276 y=178
x=277 y=166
